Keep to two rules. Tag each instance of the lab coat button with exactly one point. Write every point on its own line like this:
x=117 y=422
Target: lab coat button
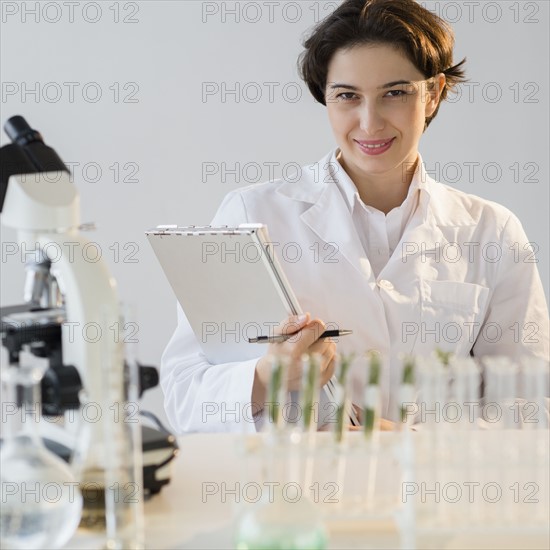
x=385 y=284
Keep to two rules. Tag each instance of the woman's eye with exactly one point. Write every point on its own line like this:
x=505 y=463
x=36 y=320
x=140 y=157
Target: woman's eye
x=396 y=93
x=346 y=96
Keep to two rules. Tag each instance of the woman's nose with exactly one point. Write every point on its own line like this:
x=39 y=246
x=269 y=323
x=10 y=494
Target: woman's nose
x=370 y=119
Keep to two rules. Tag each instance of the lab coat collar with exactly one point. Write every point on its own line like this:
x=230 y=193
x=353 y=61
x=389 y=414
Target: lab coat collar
x=352 y=198
x=329 y=217
x=318 y=184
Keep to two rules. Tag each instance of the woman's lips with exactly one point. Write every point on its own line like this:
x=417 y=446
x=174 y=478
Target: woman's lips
x=374 y=147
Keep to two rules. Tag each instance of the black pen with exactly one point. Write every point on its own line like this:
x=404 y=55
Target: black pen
x=278 y=338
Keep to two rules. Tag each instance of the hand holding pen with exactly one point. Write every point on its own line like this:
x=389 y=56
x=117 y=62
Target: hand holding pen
x=301 y=335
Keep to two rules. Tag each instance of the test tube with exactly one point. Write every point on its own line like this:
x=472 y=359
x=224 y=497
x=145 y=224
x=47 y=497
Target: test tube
x=535 y=385
x=408 y=524
x=277 y=394
x=309 y=409
x=432 y=383
x=372 y=405
x=341 y=425
x=372 y=400
x=407 y=401
x=502 y=392
x=502 y=400
x=309 y=393
x=122 y=432
x=466 y=386
x=535 y=377
x=467 y=454
x=276 y=445
x=341 y=397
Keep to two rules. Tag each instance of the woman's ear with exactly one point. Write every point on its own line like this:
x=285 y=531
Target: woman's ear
x=433 y=93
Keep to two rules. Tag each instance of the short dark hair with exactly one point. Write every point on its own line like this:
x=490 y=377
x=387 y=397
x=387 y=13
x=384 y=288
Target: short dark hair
x=425 y=38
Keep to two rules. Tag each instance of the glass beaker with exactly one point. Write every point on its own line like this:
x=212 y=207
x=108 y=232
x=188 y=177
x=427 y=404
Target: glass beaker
x=41 y=503
x=279 y=522
x=284 y=517
x=109 y=454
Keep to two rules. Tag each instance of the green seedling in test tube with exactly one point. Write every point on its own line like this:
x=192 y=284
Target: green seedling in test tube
x=444 y=356
x=275 y=384
x=407 y=382
x=309 y=387
x=345 y=363
x=371 y=396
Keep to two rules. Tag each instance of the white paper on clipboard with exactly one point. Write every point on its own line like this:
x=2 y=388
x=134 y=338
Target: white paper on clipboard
x=230 y=285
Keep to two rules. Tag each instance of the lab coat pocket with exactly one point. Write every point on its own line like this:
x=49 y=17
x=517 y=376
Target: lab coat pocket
x=451 y=315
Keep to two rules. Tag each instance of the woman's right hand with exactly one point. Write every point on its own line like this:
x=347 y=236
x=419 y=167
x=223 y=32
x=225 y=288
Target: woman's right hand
x=305 y=339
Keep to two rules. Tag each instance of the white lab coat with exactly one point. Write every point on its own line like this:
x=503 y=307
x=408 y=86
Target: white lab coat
x=462 y=279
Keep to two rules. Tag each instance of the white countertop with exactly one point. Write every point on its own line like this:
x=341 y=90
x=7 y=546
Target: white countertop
x=191 y=512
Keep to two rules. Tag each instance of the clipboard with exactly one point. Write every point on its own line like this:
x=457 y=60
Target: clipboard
x=230 y=285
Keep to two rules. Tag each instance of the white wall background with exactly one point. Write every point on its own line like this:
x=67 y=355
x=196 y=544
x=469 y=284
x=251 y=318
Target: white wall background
x=161 y=57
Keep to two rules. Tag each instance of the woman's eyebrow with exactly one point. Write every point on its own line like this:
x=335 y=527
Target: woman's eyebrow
x=383 y=87
x=347 y=86
x=394 y=83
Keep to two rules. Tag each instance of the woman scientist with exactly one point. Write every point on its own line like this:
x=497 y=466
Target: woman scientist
x=408 y=263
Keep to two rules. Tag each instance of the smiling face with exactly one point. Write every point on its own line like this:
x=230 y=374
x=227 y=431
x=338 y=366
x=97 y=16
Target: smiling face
x=377 y=103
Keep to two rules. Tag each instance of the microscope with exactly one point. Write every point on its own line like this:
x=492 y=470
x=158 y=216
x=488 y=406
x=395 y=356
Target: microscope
x=63 y=291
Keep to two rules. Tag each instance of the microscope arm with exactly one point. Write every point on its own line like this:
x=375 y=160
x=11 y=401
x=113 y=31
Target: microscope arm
x=44 y=209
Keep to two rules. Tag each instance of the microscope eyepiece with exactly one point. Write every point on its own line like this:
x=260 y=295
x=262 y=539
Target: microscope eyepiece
x=33 y=155
x=19 y=131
